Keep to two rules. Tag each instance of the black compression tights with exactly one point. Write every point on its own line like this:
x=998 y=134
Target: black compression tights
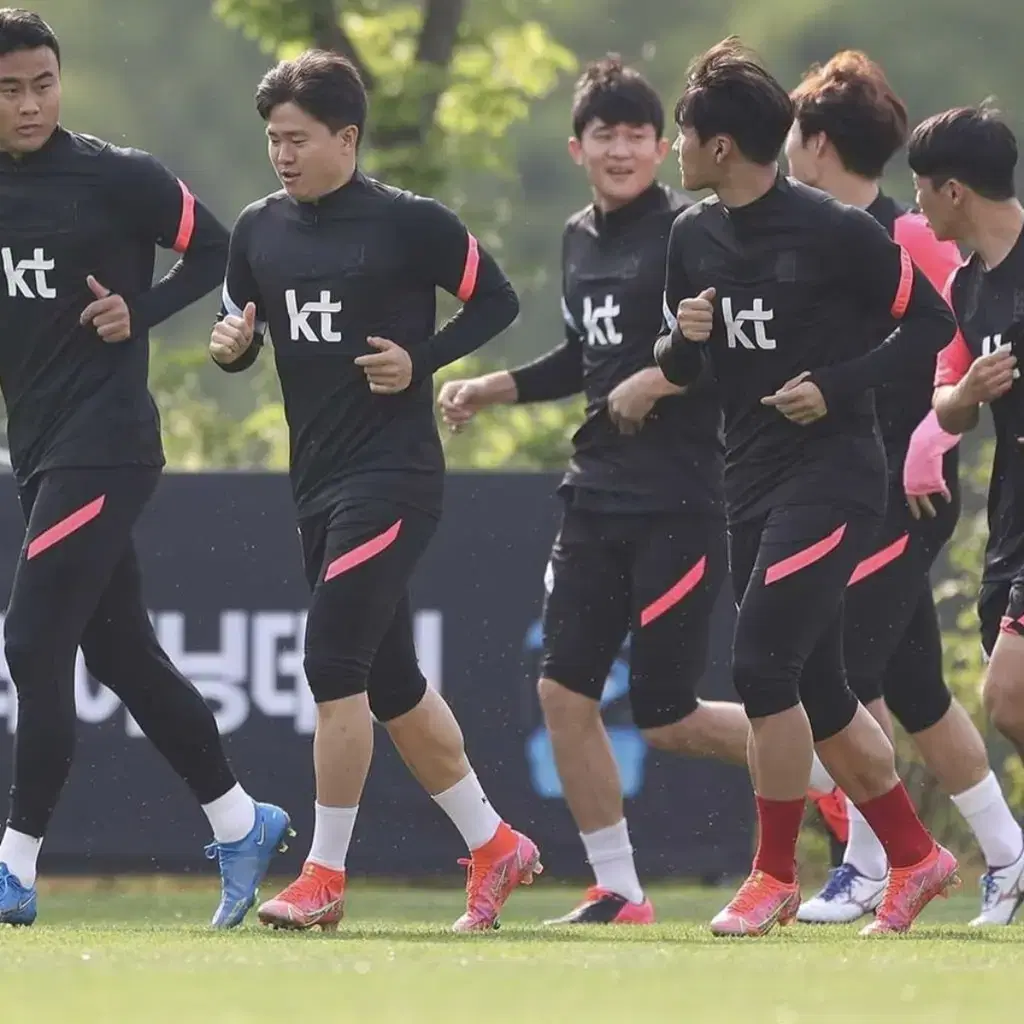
x=77 y=584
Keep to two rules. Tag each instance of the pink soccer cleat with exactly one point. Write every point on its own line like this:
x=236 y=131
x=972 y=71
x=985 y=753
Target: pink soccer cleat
x=760 y=904
x=508 y=860
x=911 y=889
x=600 y=906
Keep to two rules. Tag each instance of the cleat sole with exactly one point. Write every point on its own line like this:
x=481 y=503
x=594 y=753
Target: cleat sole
x=289 y=833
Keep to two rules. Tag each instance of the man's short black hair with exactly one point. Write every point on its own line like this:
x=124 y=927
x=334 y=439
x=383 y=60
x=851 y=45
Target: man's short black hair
x=615 y=94
x=971 y=144
x=729 y=92
x=25 y=30
x=326 y=85
x=851 y=101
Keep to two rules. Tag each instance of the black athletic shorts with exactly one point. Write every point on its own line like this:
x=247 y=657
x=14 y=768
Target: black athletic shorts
x=789 y=569
x=890 y=590
x=359 y=632
x=654 y=576
x=1000 y=610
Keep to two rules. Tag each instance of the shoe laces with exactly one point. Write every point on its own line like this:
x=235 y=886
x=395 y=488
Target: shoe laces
x=478 y=873
x=989 y=890
x=840 y=882
x=751 y=893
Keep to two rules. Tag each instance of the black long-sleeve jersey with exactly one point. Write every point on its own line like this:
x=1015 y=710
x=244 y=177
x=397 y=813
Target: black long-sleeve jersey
x=81 y=206
x=803 y=283
x=989 y=307
x=613 y=275
x=365 y=260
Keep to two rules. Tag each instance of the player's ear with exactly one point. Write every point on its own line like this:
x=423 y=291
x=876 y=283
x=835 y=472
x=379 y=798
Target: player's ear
x=721 y=147
x=663 y=149
x=349 y=137
x=576 y=150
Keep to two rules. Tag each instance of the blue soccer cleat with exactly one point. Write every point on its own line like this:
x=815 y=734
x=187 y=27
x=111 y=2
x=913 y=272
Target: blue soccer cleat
x=17 y=902
x=244 y=864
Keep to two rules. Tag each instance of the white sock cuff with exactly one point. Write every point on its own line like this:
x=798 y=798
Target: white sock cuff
x=981 y=795
x=607 y=843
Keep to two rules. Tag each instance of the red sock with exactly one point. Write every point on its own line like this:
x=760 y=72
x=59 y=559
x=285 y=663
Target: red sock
x=779 y=827
x=893 y=819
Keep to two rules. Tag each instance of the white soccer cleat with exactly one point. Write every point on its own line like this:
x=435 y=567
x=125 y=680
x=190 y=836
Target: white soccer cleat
x=846 y=896
x=1002 y=893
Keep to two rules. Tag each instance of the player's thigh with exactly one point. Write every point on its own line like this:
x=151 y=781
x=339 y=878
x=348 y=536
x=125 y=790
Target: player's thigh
x=369 y=554
x=396 y=685
x=1004 y=681
x=119 y=633
x=993 y=605
x=795 y=591
x=79 y=527
x=678 y=569
x=884 y=593
x=914 y=684
x=586 y=604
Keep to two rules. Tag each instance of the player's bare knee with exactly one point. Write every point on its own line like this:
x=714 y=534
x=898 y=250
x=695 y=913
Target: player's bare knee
x=563 y=708
x=1003 y=697
x=687 y=735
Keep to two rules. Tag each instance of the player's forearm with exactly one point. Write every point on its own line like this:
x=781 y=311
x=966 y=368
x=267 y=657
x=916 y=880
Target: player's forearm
x=680 y=361
x=927 y=327
x=556 y=374
x=656 y=384
x=956 y=413
x=199 y=271
x=482 y=318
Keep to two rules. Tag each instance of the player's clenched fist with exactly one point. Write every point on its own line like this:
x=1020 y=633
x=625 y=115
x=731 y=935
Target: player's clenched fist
x=233 y=335
x=695 y=316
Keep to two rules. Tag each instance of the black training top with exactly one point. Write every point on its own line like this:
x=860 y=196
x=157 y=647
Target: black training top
x=613 y=276
x=989 y=305
x=803 y=283
x=363 y=261
x=80 y=206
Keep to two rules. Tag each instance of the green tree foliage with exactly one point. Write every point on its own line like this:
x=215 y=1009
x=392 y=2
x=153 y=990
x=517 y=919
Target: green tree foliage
x=447 y=79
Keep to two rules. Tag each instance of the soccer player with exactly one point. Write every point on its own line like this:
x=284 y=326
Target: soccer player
x=343 y=271
x=81 y=219
x=785 y=292
x=963 y=162
x=641 y=546
x=849 y=123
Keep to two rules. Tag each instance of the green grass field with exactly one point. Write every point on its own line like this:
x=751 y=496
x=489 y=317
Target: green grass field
x=140 y=953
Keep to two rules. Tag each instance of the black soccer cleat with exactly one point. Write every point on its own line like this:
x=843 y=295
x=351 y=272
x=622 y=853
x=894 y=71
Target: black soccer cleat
x=600 y=906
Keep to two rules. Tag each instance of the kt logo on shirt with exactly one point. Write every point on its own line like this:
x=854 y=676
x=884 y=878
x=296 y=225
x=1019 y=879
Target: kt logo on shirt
x=298 y=317
x=15 y=272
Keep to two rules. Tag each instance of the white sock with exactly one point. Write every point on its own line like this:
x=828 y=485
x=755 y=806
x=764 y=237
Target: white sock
x=863 y=850
x=231 y=816
x=992 y=822
x=820 y=778
x=611 y=856
x=19 y=852
x=471 y=812
x=332 y=834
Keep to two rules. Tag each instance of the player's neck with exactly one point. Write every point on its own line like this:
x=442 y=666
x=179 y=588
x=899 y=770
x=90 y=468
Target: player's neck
x=340 y=181
x=994 y=230
x=745 y=183
x=851 y=189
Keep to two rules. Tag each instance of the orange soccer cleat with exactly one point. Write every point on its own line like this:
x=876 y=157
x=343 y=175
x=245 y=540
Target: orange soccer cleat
x=494 y=870
x=316 y=897
x=760 y=904
x=911 y=889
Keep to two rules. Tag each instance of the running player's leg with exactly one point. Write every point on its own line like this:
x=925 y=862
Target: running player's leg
x=427 y=736
x=788 y=569
x=880 y=601
x=1003 y=634
x=122 y=652
x=585 y=619
x=79 y=522
x=954 y=751
x=358 y=562
x=679 y=566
